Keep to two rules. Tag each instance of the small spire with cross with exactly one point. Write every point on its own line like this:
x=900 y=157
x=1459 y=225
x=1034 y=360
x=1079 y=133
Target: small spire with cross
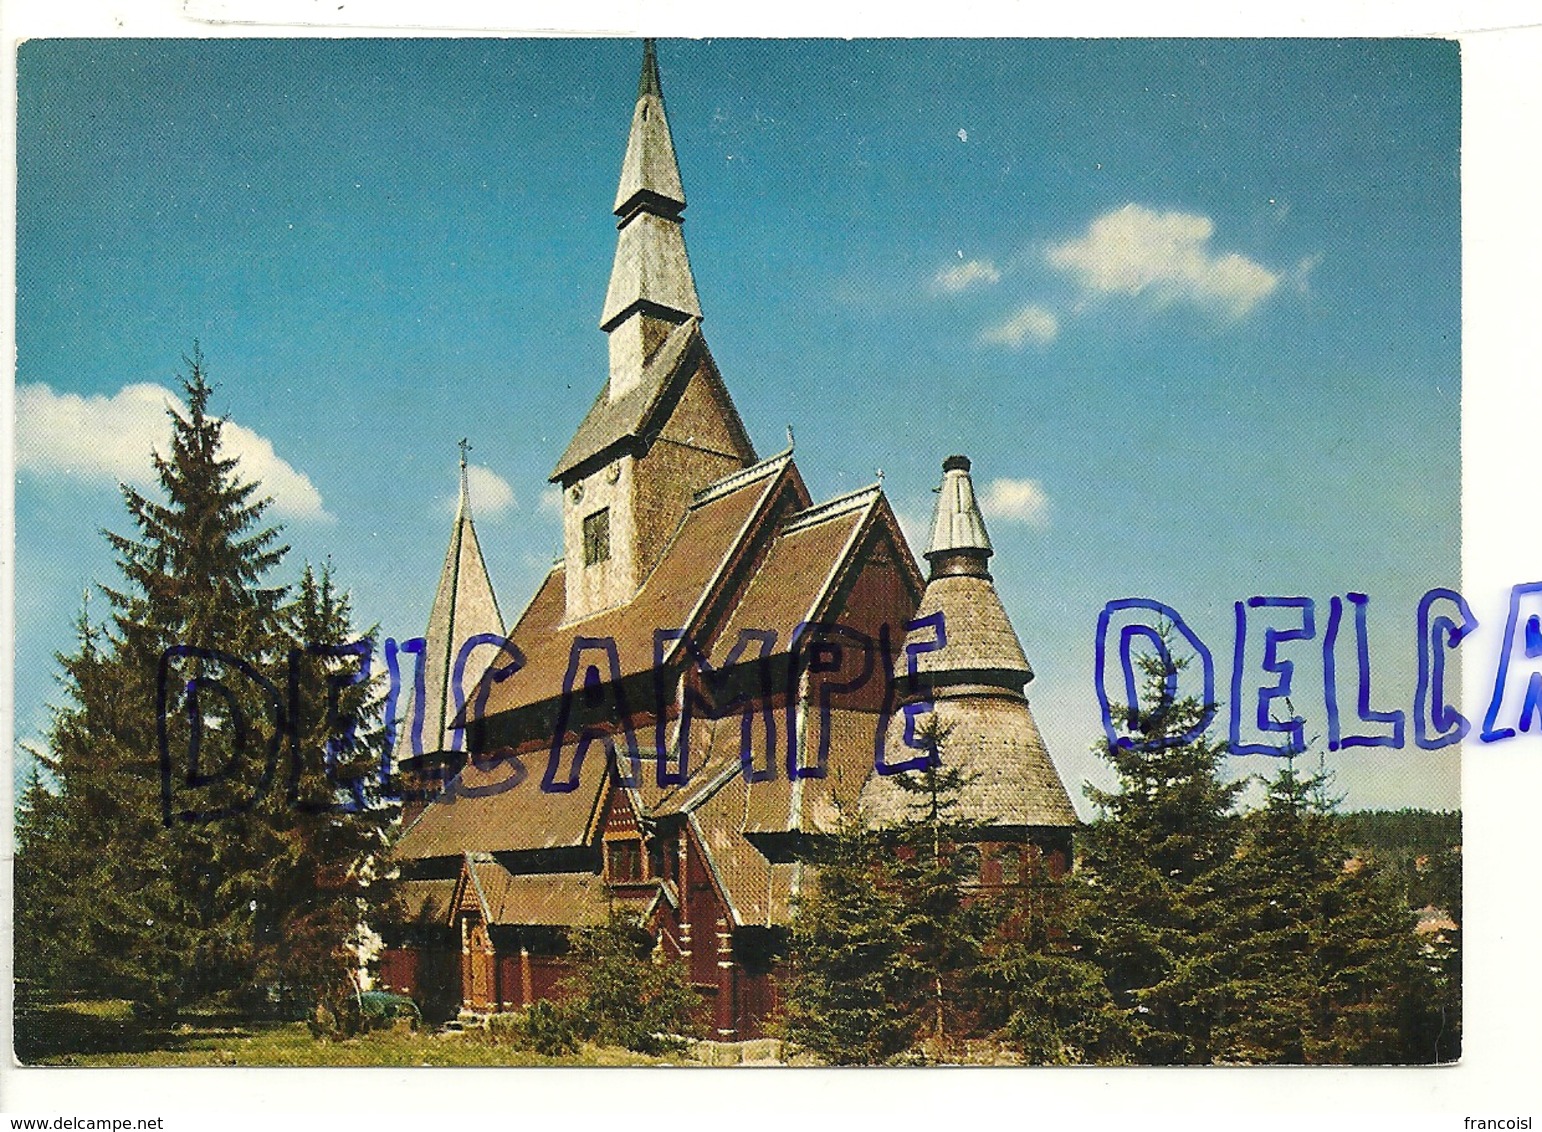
x=465 y=478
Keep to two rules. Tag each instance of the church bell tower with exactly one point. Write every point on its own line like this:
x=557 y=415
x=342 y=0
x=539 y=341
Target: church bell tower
x=664 y=426
x=651 y=290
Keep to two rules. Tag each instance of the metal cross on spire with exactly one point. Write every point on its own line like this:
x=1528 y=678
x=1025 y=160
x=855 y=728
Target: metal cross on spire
x=464 y=446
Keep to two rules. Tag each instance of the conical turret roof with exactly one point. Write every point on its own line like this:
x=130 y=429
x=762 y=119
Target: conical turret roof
x=957 y=524
x=973 y=671
x=993 y=738
x=981 y=645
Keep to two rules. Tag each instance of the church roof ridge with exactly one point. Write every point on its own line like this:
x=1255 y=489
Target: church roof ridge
x=713 y=870
x=831 y=508
x=610 y=421
x=733 y=481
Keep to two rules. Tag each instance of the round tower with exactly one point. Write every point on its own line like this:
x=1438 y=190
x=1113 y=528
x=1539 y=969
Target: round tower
x=970 y=666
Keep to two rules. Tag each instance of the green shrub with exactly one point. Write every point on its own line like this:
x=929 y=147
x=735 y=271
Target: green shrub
x=549 y=1029
x=544 y=1027
x=380 y=1010
x=623 y=997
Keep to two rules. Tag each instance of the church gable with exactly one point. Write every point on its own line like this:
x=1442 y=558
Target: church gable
x=710 y=550
x=633 y=469
x=703 y=416
x=699 y=441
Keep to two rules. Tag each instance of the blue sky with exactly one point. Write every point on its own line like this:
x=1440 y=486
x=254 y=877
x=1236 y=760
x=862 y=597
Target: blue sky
x=1192 y=307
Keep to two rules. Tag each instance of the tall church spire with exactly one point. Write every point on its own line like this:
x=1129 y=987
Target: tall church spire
x=651 y=288
x=464 y=606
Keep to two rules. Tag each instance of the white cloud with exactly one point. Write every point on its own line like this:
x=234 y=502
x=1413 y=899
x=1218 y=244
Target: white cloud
x=491 y=494
x=1018 y=501
x=962 y=276
x=917 y=528
x=1165 y=256
x=1031 y=323
x=109 y=439
x=1300 y=275
x=551 y=500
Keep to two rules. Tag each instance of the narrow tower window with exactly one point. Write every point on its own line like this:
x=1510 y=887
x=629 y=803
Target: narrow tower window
x=597 y=536
x=624 y=861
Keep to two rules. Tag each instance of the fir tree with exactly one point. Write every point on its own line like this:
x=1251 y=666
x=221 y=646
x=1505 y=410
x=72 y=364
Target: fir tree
x=163 y=911
x=936 y=866
x=316 y=898
x=627 y=995
x=1316 y=961
x=1038 y=991
x=1149 y=871
x=851 y=978
x=42 y=865
x=1267 y=993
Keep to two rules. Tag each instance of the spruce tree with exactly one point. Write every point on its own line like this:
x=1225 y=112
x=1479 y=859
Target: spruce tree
x=1038 y=991
x=148 y=897
x=1386 y=999
x=936 y=867
x=625 y=994
x=1268 y=993
x=316 y=899
x=40 y=894
x=1316 y=961
x=851 y=978
x=1149 y=870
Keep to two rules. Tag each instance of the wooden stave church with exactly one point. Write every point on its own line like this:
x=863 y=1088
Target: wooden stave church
x=701 y=546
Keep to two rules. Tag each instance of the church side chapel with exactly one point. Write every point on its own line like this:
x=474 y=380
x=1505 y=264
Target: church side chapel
x=710 y=675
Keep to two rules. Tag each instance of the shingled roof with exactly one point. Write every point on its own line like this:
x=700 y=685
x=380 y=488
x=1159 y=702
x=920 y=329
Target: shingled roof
x=493 y=808
x=695 y=565
x=976 y=682
x=564 y=900
x=980 y=637
x=992 y=737
x=634 y=417
x=801 y=566
x=786 y=574
x=756 y=890
x=649 y=167
x=464 y=606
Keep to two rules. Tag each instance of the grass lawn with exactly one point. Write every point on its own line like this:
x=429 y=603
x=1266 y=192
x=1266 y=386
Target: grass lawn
x=108 y=1033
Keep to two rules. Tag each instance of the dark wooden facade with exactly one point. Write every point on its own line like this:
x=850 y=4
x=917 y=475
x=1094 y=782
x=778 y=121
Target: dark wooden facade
x=698 y=688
